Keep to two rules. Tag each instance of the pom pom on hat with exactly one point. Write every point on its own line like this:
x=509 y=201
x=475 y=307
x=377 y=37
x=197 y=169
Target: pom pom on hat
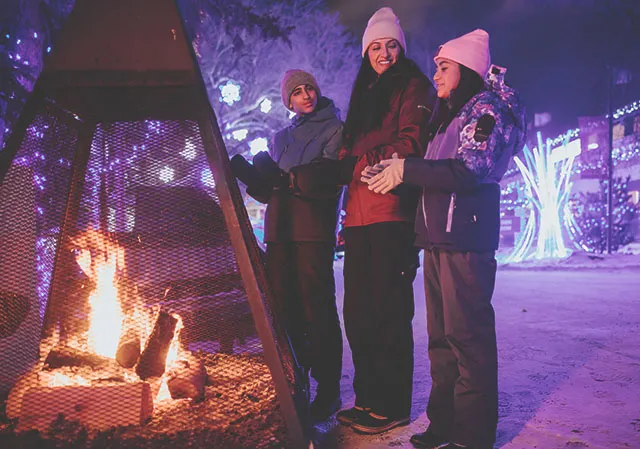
x=383 y=24
x=471 y=50
x=292 y=79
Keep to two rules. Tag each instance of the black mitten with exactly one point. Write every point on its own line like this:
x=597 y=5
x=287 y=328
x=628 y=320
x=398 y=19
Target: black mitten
x=321 y=177
x=270 y=171
x=257 y=186
x=260 y=194
x=243 y=170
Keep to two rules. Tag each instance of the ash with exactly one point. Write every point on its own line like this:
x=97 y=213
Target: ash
x=239 y=410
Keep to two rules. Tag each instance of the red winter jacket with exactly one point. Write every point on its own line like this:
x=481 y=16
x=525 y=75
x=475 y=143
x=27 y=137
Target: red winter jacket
x=403 y=131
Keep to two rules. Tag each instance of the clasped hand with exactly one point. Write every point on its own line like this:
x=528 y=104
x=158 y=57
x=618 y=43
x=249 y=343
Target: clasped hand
x=384 y=176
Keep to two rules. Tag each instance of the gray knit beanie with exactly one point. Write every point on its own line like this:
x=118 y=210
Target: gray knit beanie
x=292 y=79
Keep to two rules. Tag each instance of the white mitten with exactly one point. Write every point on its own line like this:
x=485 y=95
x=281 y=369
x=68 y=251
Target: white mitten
x=389 y=178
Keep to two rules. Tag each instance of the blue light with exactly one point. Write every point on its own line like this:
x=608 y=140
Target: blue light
x=207 y=178
x=547 y=188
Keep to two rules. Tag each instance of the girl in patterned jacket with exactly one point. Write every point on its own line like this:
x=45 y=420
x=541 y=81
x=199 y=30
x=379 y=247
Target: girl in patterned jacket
x=458 y=224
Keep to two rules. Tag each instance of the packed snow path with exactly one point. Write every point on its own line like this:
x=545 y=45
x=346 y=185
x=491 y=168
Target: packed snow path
x=569 y=348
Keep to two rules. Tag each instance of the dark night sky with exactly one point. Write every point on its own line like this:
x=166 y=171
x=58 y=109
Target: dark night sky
x=556 y=51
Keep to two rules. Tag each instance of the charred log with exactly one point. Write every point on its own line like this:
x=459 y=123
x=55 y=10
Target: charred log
x=62 y=356
x=153 y=358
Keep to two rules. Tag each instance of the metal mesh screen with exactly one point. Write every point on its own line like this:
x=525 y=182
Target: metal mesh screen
x=32 y=204
x=148 y=337
x=149 y=185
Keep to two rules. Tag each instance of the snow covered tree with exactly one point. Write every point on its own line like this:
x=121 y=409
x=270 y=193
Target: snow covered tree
x=590 y=213
x=242 y=66
x=27 y=32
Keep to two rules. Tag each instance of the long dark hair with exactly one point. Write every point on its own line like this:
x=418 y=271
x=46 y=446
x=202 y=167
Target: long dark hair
x=371 y=95
x=446 y=109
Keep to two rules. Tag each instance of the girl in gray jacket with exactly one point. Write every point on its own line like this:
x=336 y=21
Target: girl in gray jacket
x=300 y=235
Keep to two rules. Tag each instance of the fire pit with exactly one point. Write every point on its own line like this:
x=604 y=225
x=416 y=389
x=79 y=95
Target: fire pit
x=134 y=306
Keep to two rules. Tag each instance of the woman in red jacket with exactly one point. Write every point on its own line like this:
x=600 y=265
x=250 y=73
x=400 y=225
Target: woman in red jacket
x=390 y=106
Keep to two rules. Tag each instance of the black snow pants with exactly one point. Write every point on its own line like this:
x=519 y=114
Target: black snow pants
x=301 y=277
x=380 y=264
x=463 y=404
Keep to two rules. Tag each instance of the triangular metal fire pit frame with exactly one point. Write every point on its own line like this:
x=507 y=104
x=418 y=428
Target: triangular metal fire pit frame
x=97 y=72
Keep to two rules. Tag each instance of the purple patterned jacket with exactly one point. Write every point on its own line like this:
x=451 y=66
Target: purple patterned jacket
x=461 y=172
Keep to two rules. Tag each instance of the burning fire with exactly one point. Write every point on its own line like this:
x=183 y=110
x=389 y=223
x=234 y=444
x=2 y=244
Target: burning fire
x=103 y=261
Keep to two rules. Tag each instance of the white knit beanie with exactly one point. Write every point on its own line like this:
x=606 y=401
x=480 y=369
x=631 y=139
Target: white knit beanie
x=471 y=50
x=383 y=24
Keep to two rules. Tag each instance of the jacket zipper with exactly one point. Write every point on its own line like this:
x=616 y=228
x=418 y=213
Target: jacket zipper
x=452 y=206
x=424 y=214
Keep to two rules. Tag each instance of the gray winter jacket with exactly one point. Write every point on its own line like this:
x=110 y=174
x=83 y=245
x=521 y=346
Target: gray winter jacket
x=291 y=217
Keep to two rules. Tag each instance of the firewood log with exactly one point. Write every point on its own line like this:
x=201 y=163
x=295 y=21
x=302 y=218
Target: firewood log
x=154 y=357
x=128 y=351
x=27 y=381
x=95 y=406
x=186 y=379
x=61 y=356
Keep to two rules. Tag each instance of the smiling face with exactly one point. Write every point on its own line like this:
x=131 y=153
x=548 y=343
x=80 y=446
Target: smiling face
x=303 y=100
x=383 y=53
x=447 y=77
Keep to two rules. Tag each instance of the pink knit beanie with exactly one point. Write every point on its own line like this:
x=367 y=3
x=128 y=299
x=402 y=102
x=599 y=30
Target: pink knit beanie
x=471 y=50
x=383 y=24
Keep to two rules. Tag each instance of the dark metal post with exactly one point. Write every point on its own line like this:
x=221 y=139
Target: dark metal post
x=610 y=165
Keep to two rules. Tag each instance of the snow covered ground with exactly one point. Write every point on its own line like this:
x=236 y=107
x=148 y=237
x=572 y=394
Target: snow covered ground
x=569 y=348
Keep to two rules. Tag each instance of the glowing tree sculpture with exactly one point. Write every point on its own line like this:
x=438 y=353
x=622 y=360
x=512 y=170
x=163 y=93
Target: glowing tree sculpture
x=547 y=186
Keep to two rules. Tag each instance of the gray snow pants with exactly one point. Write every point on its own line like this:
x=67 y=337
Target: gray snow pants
x=463 y=404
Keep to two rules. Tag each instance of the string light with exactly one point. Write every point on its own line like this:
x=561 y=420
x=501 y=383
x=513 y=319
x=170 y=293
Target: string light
x=626 y=110
x=240 y=134
x=265 y=105
x=189 y=151
x=167 y=174
x=257 y=145
x=230 y=93
x=207 y=178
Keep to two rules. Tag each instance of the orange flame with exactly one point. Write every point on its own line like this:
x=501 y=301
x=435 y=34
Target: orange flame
x=174 y=354
x=106 y=314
